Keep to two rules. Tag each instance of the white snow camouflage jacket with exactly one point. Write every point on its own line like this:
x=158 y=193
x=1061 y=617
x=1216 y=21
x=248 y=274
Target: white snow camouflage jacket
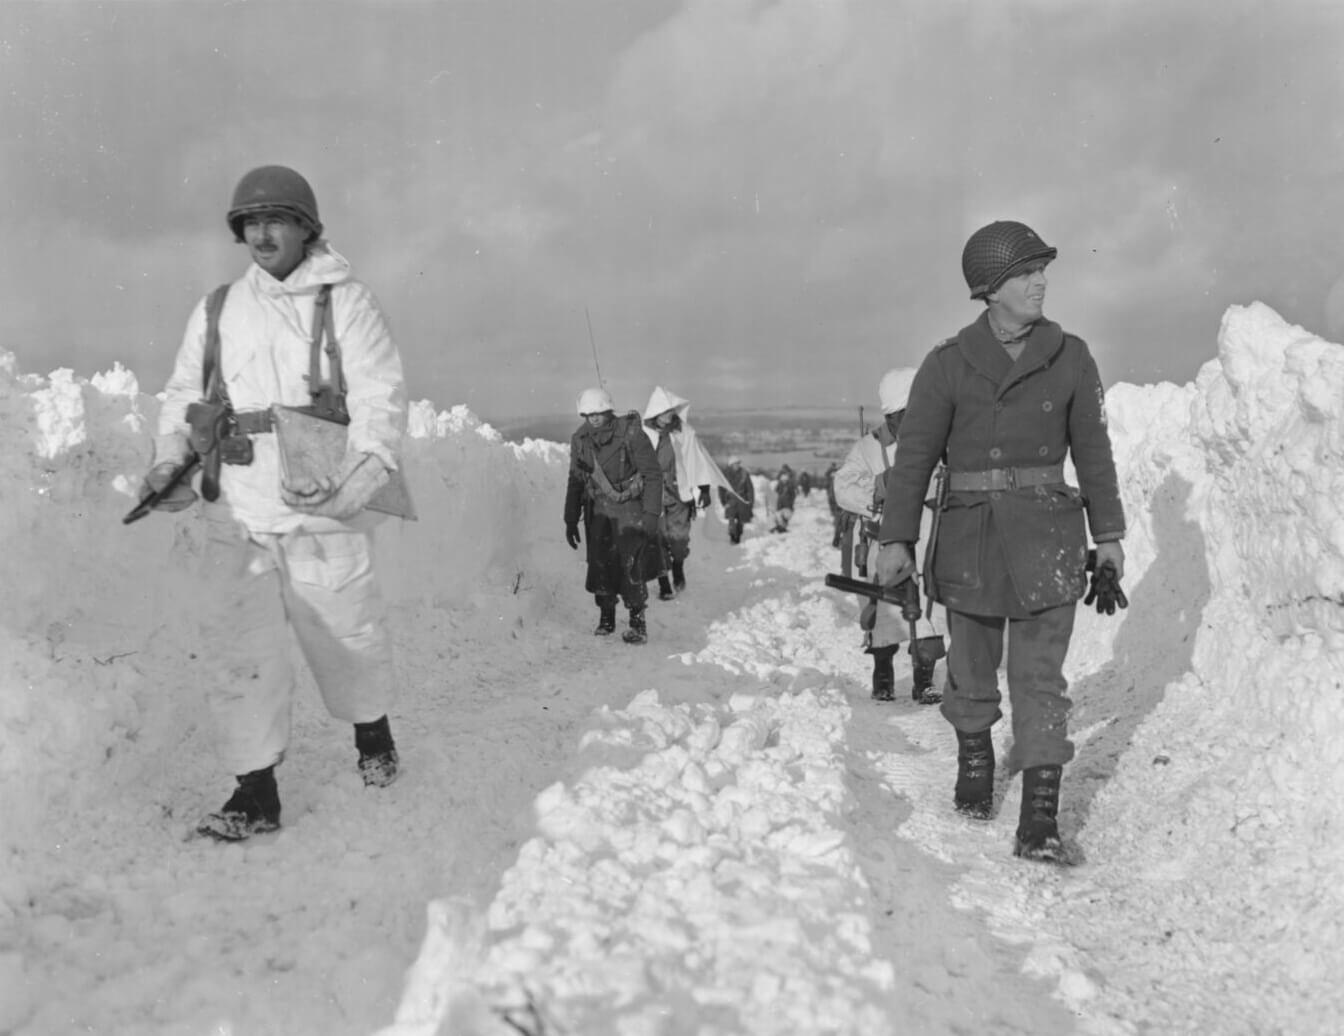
x=265 y=334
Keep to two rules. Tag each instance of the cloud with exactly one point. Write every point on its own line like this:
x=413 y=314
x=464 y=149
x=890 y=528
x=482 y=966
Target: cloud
x=787 y=182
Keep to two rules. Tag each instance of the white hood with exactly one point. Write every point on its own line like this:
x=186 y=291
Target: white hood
x=662 y=401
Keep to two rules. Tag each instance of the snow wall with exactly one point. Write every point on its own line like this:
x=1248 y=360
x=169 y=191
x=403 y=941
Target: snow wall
x=1234 y=489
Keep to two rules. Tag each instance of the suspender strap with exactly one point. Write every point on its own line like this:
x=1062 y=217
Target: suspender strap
x=602 y=480
x=212 y=379
x=212 y=375
x=324 y=324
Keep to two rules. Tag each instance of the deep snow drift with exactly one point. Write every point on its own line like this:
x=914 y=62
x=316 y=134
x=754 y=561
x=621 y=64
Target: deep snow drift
x=718 y=833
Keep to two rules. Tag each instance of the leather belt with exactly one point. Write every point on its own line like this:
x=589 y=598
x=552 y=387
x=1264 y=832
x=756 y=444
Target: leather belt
x=1003 y=479
x=253 y=422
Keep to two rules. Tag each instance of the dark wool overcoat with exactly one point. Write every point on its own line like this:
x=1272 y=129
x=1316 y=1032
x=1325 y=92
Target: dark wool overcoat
x=623 y=451
x=1017 y=551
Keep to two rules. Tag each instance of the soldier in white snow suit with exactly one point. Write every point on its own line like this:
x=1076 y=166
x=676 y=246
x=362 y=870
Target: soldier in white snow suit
x=689 y=472
x=285 y=556
x=616 y=489
x=860 y=488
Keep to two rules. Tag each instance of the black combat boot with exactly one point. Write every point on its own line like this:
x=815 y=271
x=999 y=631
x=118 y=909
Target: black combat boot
x=975 y=774
x=378 y=762
x=1038 y=827
x=678 y=576
x=606 y=620
x=252 y=809
x=734 y=530
x=922 y=689
x=665 y=589
x=884 y=673
x=638 y=633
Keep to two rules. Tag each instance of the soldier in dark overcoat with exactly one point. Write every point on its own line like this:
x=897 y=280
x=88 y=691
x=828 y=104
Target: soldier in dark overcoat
x=1004 y=402
x=616 y=489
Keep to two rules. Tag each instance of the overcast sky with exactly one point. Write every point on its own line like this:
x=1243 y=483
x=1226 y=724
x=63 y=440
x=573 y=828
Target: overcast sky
x=756 y=203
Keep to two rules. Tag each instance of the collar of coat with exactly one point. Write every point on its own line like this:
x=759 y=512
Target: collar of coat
x=983 y=351
x=619 y=425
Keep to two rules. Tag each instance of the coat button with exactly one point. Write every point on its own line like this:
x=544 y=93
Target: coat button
x=1047 y=406
x=996 y=453
x=1043 y=450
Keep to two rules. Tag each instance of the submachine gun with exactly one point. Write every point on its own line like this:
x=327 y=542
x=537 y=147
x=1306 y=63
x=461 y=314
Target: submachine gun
x=905 y=596
x=150 y=500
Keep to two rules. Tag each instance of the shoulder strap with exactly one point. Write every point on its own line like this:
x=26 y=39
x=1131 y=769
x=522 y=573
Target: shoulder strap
x=324 y=324
x=212 y=379
x=601 y=477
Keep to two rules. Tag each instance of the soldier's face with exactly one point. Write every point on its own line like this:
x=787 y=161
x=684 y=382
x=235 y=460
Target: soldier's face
x=277 y=242
x=598 y=420
x=1022 y=297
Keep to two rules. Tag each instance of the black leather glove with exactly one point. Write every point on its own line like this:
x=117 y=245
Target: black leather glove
x=1105 y=590
x=651 y=524
x=572 y=536
x=704 y=498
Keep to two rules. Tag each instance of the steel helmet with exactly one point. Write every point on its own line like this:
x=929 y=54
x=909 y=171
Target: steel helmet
x=594 y=401
x=994 y=253
x=893 y=391
x=270 y=188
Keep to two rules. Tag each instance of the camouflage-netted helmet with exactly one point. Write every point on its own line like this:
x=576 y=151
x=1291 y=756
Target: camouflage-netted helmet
x=998 y=251
x=273 y=188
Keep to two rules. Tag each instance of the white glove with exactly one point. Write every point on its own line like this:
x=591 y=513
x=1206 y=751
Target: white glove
x=342 y=496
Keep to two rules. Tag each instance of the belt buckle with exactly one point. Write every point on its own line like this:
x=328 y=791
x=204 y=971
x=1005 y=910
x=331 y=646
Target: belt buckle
x=1010 y=476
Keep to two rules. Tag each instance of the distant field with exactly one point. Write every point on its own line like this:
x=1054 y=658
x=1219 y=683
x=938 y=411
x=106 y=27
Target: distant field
x=805 y=438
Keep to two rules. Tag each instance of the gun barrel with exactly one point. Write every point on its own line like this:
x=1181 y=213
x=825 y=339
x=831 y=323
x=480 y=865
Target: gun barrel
x=890 y=594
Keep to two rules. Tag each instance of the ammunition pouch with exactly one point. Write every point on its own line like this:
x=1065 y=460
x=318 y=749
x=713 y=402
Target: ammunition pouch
x=868 y=528
x=235 y=449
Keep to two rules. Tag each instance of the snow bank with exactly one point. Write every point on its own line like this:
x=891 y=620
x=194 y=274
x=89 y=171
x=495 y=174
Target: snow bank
x=71 y=466
x=1223 y=824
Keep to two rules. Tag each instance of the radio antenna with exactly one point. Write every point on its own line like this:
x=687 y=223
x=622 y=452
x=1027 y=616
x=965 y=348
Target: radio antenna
x=593 y=342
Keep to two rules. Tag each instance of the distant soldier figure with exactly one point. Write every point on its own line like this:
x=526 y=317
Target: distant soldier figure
x=689 y=472
x=805 y=483
x=737 y=503
x=860 y=488
x=616 y=489
x=786 y=494
x=1004 y=402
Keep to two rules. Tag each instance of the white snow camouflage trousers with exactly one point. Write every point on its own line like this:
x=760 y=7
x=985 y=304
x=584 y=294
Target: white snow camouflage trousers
x=258 y=586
